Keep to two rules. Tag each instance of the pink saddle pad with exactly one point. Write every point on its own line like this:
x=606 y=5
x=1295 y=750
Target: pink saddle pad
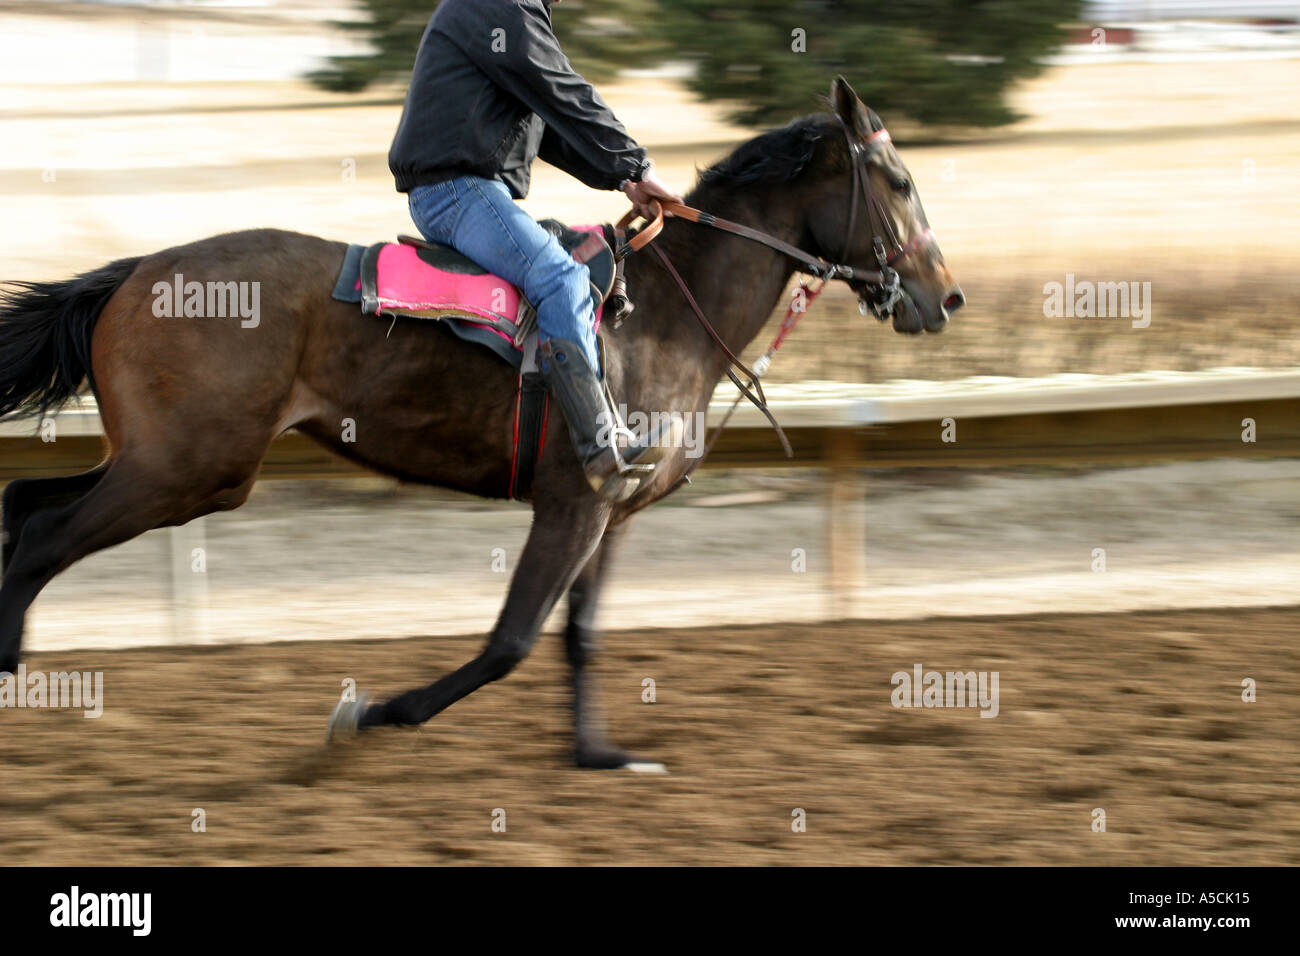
x=408 y=284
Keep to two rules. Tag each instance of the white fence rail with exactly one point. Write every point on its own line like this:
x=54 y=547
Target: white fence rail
x=1120 y=11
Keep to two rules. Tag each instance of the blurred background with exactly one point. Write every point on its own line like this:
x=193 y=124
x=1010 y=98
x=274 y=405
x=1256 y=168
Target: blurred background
x=1147 y=141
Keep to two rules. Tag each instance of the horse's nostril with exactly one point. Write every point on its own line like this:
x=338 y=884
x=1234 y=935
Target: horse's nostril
x=954 y=301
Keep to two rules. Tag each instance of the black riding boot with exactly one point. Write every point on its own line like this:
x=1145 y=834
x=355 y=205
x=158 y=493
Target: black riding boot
x=594 y=426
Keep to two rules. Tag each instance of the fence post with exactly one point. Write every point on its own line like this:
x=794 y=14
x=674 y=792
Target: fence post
x=189 y=574
x=846 y=515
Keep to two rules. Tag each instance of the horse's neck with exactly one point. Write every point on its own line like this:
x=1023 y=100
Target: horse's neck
x=736 y=282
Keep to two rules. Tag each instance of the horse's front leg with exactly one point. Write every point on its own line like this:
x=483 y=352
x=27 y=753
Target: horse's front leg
x=564 y=534
x=593 y=748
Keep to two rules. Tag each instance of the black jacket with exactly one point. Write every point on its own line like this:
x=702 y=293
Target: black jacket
x=491 y=91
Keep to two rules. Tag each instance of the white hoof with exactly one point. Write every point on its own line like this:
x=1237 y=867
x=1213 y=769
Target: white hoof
x=347 y=715
x=645 y=766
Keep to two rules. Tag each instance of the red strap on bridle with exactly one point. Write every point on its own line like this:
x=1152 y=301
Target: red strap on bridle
x=794 y=314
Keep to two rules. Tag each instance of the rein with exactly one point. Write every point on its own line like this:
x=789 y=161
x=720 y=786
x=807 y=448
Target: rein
x=884 y=280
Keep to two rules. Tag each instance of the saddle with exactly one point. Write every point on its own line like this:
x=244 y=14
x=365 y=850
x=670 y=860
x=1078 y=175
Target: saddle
x=416 y=279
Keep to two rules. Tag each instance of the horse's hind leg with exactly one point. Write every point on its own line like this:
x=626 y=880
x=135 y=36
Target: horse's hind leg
x=127 y=500
x=23 y=496
x=563 y=537
x=593 y=748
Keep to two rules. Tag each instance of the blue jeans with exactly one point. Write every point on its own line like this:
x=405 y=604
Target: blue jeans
x=479 y=219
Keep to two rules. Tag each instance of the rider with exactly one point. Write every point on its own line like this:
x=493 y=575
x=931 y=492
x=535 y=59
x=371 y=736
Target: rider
x=491 y=91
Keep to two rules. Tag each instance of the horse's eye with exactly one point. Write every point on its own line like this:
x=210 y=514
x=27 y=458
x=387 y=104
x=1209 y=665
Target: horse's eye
x=901 y=186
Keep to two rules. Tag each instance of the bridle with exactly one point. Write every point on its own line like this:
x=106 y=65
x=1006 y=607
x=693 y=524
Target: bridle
x=882 y=284
x=887 y=292
x=882 y=281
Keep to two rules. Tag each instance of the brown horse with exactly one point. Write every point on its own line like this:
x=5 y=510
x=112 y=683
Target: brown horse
x=190 y=405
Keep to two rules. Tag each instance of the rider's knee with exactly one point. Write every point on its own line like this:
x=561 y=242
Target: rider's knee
x=552 y=275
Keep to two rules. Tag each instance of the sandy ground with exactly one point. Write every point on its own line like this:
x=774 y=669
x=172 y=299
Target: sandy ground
x=1139 y=715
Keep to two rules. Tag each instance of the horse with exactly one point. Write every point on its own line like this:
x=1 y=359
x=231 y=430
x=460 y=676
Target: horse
x=190 y=406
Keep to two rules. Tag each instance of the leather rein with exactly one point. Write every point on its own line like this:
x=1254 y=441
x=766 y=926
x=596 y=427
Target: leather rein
x=883 y=281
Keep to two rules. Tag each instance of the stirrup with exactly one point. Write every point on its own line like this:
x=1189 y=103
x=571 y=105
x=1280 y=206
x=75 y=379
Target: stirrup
x=650 y=444
x=655 y=445
x=621 y=482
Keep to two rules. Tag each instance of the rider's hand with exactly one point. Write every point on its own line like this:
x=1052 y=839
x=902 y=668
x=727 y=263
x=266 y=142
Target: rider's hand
x=648 y=190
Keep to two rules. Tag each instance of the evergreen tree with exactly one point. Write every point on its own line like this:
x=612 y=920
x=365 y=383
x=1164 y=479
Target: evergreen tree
x=935 y=61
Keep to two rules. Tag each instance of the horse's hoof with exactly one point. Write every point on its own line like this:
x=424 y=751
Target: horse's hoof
x=346 y=719
x=609 y=757
x=644 y=766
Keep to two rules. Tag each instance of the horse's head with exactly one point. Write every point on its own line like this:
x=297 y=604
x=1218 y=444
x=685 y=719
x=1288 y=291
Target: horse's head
x=867 y=215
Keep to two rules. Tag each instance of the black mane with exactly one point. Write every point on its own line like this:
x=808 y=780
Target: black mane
x=777 y=156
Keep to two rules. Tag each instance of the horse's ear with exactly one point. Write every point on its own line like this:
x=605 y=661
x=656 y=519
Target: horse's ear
x=849 y=108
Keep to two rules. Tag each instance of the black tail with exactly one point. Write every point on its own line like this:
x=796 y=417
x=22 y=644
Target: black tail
x=45 y=330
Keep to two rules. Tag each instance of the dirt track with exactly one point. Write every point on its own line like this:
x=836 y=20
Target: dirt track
x=1139 y=714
